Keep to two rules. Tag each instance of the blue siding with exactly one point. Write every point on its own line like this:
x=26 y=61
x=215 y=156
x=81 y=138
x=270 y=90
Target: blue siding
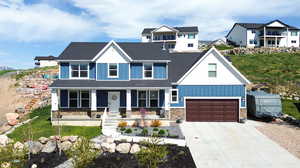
x=209 y=91
x=133 y=98
x=102 y=73
x=136 y=70
x=102 y=98
x=64 y=98
x=64 y=70
x=92 y=70
x=161 y=98
x=160 y=71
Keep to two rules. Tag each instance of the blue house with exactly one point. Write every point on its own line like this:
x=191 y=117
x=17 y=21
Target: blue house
x=123 y=78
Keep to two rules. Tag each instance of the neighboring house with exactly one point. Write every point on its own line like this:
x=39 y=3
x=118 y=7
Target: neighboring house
x=45 y=61
x=180 y=39
x=203 y=43
x=272 y=34
x=127 y=77
x=218 y=42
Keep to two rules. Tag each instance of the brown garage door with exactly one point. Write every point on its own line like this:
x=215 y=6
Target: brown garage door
x=213 y=110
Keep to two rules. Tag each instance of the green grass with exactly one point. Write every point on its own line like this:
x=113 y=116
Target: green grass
x=273 y=69
x=223 y=47
x=2 y=72
x=31 y=71
x=41 y=127
x=289 y=107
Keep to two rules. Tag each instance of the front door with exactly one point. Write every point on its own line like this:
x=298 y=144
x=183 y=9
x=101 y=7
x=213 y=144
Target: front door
x=114 y=101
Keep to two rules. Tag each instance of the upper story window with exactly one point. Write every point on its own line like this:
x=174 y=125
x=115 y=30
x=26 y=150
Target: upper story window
x=191 y=36
x=148 y=71
x=174 y=95
x=148 y=37
x=294 y=33
x=79 y=70
x=212 y=70
x=190 y=45
x=112 y=70
x=253 y=31
x=294 y=41
x=171 y=46
x=179 y=35
x=253 y=42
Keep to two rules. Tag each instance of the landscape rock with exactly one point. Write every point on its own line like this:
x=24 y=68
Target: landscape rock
x=34 y=166
x=43 y=140
x=96 y=146
x=123 y=147
x=49 y=147
x=73 y=138
x=5 y=165
x=66 y=145
x=12 y=122
x=65 y=138
x=109 y=140
x=18 y=145
x=34 y=146
x=106 y=147
x=3 y=140
x=135 y=148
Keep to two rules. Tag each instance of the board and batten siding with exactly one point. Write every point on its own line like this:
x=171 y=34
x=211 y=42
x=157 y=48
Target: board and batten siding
x=136 y=71
x=102 y=71
x=64 y=70
x=209 y=91
x=159 y=71
x=92 y=71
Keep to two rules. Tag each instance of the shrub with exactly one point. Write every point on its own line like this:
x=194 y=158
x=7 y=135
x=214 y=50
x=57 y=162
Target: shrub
x=155 y=123
x=128 y=131
x=82 y=153
x=153 y=155
x=123 y=129
x=10 y=156
x=145 y=132
x=155 y=129
x=122 y=124
x=161 y=132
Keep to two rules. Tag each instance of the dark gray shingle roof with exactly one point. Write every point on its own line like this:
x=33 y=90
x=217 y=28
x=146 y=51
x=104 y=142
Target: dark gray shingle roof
x=45 y=58
x=261 y=25
x=180 y=29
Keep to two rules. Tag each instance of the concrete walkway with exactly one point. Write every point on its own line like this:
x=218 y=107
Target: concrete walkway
x=234 y=145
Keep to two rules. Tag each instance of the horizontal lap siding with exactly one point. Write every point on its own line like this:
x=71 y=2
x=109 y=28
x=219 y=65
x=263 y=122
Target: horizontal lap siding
x=209 y=91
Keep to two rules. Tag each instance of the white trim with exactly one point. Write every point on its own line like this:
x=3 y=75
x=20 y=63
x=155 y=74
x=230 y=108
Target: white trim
x=151 y=61
x=70 y=71
x=110 y=88
x=222 y=57
x=175 y=30
x=172 y=96
x=108 y=70
x=152 y=71
x=106 y=47
x=73 y=60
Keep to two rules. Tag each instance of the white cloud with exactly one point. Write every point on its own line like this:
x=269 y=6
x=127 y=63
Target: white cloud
x=41 y=22
x=127 y=18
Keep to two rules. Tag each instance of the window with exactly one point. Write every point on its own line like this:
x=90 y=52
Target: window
x=212 y=70
x=191 y=36
x=112 y=70
x=85 y=99
x=73 y=99
x=294 y=33
x=253 y=31
x=179 y=35
x=153 y=98
x=251 y=42
x=79 y=70
x=148 y=37
x=171 y=46
x=294 y=41
x=148 y=70
x=142 y=98
x=174 y=96
x=190 y=45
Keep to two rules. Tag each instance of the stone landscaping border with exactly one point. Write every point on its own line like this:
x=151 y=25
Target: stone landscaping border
x=18 y=125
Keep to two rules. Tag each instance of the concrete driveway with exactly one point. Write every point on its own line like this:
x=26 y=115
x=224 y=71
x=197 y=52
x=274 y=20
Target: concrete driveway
x=234 y=145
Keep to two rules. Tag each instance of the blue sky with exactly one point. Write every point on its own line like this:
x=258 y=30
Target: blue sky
x=30 y=28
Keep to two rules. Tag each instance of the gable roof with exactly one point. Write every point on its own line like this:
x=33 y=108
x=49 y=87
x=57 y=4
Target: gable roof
x=135 y=50
x=180 y=29
x=50 y=57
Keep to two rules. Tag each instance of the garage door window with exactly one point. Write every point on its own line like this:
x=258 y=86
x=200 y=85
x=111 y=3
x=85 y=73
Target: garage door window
x=174 y=98
x=212 y=70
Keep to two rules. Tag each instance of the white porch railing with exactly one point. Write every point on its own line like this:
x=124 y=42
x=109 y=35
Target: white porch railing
x=104 y=116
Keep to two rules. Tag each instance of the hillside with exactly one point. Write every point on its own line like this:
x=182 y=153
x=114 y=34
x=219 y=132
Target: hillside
x=279 y=71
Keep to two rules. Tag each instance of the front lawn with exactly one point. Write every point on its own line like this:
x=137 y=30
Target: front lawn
x=41 y=127
x=290 y=107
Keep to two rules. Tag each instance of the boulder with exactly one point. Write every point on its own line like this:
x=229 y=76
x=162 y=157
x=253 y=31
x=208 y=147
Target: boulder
x=106 y=147
x=18 y=145
x=12 y=122
x=43 y=140
x=12 y=116
x=3 y=140
x=135 y=148
x=73 y=138
x=49 y=147
x=96 y=146
x=65 y=138
x=109 y=140
x=5 y=165
x=66 y=145
x=34 y=166
x=34 y=146
x=123 y=147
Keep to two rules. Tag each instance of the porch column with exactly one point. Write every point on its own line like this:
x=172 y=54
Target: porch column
x=94 y=100
x=128 y=103
x=54 y=100
x=167 y=99
x=265 y=37
x=276 y=42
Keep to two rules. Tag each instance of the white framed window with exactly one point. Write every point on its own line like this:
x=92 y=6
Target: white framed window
x=294 y=41
x=191 y=36
x=294 y=33
x=212 y=70
x=148 y=71
x=174 y=95
x=142 y=98
x=190 y=45
x=153 y=98
x=113 y=70
x=85 y=98
x=73 y=98
x=79 y=71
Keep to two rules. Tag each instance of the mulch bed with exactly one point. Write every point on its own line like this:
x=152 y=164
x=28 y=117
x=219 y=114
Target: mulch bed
x=47 y=160
x=178 y=157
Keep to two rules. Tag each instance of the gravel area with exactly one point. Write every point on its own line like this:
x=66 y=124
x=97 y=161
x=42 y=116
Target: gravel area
x=286 y=135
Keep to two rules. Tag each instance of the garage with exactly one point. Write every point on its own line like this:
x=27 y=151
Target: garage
x=212 y=110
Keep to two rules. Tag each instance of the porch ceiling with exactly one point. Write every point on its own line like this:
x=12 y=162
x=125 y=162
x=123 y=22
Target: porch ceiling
x=110 y=84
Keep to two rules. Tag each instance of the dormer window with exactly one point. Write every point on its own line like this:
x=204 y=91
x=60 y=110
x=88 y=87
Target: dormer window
x=148 y=71
x=112 y=70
